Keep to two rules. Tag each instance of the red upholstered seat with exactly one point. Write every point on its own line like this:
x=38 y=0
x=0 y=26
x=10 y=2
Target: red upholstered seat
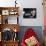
x=29 y=33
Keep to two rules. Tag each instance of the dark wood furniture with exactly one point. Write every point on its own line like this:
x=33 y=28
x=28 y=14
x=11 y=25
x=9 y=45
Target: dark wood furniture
x=4 y=13
x=10 y=43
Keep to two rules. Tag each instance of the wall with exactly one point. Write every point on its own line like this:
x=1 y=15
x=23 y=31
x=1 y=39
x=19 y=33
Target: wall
x=7 y=3
x=32 y=4
x=27 y=4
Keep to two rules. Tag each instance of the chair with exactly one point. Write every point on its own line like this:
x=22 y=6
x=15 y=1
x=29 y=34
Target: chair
x=29 y=33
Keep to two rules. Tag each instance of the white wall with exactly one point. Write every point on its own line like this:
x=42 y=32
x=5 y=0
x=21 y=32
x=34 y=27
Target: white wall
x=27 y=4
x=7 y=3
x=32 y=4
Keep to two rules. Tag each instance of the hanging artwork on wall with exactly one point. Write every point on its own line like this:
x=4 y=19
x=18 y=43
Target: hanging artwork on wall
x=29 y=12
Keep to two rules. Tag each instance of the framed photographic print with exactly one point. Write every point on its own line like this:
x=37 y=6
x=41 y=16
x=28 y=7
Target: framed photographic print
x=5 y=12
x=29 y=13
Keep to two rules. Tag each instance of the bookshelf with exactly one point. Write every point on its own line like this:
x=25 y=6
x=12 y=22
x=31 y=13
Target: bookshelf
x=9 y=23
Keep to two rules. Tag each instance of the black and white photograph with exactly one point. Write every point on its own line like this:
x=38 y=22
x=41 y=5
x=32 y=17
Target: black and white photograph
x=29 y=12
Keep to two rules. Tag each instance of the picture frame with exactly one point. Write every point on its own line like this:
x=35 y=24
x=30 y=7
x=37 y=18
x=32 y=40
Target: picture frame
x=29 y=13
x=5 y=12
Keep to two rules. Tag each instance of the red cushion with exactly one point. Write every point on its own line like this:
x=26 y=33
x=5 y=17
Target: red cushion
x=29 y=33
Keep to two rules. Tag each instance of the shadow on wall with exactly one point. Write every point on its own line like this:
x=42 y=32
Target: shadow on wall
x=37 y=29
